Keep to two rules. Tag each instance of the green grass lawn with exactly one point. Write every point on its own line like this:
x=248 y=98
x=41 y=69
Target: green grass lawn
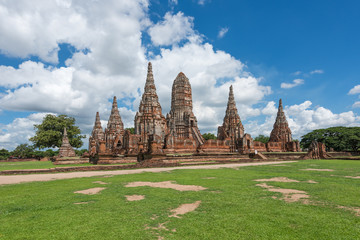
x=42 y=165
x=232 y=206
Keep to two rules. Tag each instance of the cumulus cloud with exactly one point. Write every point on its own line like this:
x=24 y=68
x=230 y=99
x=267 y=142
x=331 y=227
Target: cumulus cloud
x=295 y=83
x=222 y=32
x=206 y=68
x=317 y=71
x=305 y=119
x=114 y=63
x=356 y=104
x=302 y=118
x=172 y=30
x=19 y=130
x=355 y=90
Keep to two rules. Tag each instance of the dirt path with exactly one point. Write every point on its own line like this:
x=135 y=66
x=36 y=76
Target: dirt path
x=14 y=179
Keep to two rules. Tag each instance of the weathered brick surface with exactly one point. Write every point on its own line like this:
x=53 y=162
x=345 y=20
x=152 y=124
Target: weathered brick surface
x=281 y=133
x=66 y=150
x=184 y=134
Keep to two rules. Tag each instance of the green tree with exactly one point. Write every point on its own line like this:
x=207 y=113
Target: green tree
x=4 y=154
x=132 y=130
x=80 y=152
x=50 y=132
x=23 y=151
x=338 y=138
x=262 y=138
x=208 y=136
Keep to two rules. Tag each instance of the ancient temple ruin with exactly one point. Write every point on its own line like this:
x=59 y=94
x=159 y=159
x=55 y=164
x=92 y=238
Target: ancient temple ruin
x=178 y=132
x=232 y=128
x=184 y=134
x=150 y=124
x=66 y=150
x=280 y=137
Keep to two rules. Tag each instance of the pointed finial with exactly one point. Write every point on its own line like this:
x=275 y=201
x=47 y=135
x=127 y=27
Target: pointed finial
x=150 y=76
x=114 y=105
x=231 y=94
x=65 y=132
x=149 y=67
x=280 y=104
x=97 y=120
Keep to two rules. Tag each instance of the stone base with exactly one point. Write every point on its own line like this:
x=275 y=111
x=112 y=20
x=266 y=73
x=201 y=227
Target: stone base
x=111 y=159
x=70 y=160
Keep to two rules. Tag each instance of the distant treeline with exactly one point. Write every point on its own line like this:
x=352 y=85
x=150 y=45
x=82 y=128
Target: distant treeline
x=28 y=151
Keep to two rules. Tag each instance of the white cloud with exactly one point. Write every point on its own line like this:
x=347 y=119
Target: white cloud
x=355 y=90
x=36 y=27
x=317 y=71
x=19 y=130
x=173 y=2
x=297 y=73
x=202 y=2
x=116 y=65
x=222 y=32
x=356 y=104
x=88 y=81
x=270 y=109
x=302 y=119
x=206 y=68
x=295 y=83
x=172 y=30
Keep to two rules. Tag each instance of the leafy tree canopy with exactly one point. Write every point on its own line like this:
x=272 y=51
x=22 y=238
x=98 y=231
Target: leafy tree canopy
x=4 y=154
x=208 y=136
x=262 y=138
x=23 y=151
x=132 y=130
x=338 y=138
x=50 y=132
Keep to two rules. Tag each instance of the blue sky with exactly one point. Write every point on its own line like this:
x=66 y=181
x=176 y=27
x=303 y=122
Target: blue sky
x=72 y=57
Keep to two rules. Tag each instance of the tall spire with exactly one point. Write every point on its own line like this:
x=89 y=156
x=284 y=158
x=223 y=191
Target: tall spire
x=115 y=123
x=97 y=121
x=232 y=126
x=149 y=119
x=150 y=84
x=150 y=100
x=281 y=131
x=280 y=105
x=231 y=105
x=150 y=76
x=181 y=120
x=97 y=132
x=181 y=96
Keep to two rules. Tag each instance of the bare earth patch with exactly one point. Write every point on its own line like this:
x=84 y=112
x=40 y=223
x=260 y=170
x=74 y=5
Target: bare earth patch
x=289 y=195
x=78 y=203
x=353 y=209
x=91 y=191
x=319 y=170
x=209 y=178
x=185 y=208
x=311 y=181
x=357 y=177
x=276 y=179
x=134 y=197
x=166 y=184
x=100 y=182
